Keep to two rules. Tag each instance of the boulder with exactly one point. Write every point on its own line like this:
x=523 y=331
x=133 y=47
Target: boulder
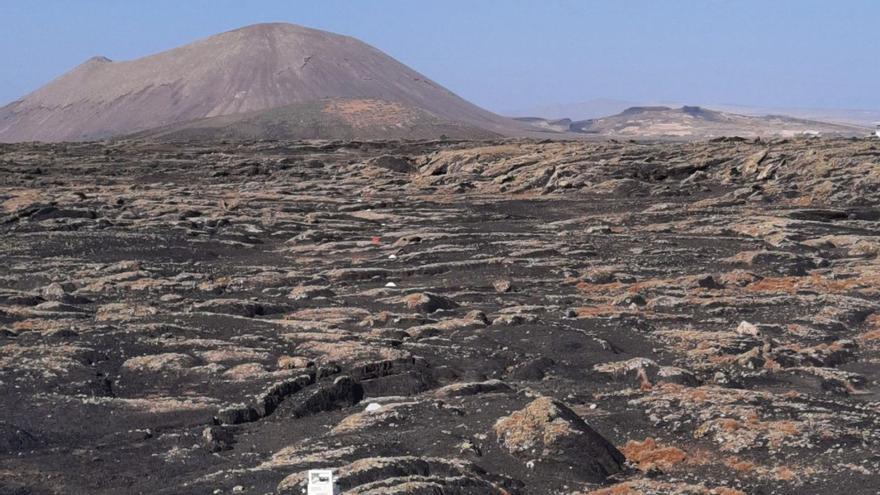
x=426 y=302
x=237 y=307
x=531 y=370
x=546 y=430
x=158 y=363
x=341 y=392
x=472 y=388
x=502 y=286
x=310 y=292
x=393 y=163
x=217 y=438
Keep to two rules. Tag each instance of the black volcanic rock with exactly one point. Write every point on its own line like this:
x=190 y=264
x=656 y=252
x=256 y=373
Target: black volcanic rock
x=547 y=430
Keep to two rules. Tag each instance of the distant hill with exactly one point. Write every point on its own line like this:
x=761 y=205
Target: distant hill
x=867 y=118
x=582 y=110
x=603 y=107
x=693 y=122
x=260 y=67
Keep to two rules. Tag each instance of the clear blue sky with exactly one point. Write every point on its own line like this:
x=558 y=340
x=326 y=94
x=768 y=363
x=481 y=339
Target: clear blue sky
x=507 y=54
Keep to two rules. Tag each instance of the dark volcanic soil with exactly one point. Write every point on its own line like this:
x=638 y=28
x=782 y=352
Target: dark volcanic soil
x=440 y=317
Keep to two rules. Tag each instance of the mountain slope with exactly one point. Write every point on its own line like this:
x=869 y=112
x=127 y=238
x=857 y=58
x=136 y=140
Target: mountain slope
x=253 y=68
x=332 y=118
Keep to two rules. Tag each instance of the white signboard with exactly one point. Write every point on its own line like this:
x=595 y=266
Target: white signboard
x=320 y=482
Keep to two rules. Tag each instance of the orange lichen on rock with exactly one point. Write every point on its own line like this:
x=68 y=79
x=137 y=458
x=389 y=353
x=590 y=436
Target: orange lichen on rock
x=791 y=285
x=644 y=382
x=871 y=336
x=783 y=473
x=648 y=454
x=598 y=311
x=609 y=288
x=778 y=431
x=739 y=465
x=555 y=433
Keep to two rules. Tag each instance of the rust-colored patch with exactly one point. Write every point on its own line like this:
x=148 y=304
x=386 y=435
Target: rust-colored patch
x=367 y=113
x=783 y=473
x=872 y=335
x=597 y=311
x=770 y=364
x=648 y=454
x=644 y=382
x=699 y=395
x=739 y=465
x=728 y=424
x=869 y=336
x=788 y=285
x=609 y=288
x=779 y=431
x=38 y=324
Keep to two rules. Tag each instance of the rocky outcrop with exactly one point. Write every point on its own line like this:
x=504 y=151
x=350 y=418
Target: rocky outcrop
x=428 y=303
x=546 y=430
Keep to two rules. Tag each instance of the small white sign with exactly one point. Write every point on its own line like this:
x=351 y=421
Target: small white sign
x=320 y=482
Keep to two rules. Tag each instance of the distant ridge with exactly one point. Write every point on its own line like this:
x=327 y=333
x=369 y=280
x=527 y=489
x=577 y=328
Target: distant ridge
x=603 y=107
x=255 y=68
x=693 y=122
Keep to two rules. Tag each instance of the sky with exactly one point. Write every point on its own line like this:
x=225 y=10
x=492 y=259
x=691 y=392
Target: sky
x=507 y=54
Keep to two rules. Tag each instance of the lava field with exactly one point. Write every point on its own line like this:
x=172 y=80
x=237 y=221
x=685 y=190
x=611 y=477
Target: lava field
x=441 y=317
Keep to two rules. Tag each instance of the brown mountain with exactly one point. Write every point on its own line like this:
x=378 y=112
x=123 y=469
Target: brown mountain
x=255 y=68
